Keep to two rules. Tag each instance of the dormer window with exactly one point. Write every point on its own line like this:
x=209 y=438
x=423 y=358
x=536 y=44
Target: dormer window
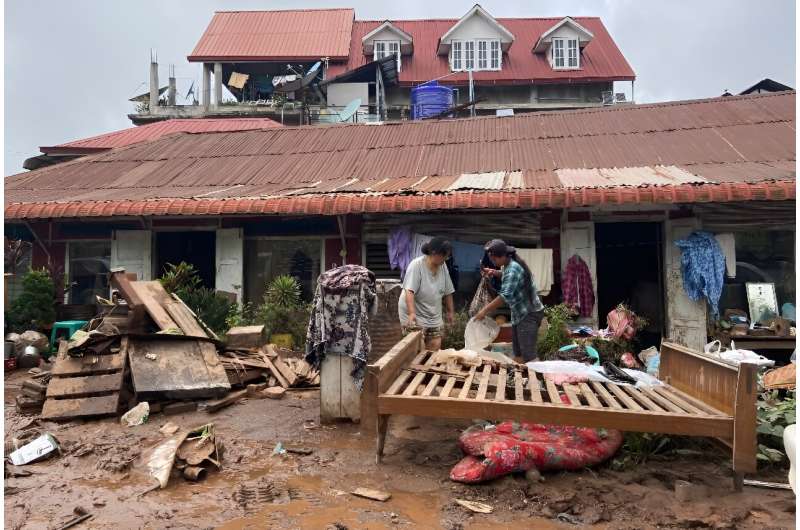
x=385 y=48
x=475 y=55
x=565 y=53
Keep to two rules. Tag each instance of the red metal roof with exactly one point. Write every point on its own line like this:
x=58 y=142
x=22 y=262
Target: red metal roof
x=733 y=148
x=151 y=131
x=300 y=34
x=600 y=60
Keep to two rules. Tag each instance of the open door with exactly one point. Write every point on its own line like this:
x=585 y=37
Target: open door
x=578 y=238
x=230 y=261
x=686 y=320
x=132 y=250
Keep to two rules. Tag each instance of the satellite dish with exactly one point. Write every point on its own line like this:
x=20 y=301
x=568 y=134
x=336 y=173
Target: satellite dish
x=350 y=110
x=314 y=68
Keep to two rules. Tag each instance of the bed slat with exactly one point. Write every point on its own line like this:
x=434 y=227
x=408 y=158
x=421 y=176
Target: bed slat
x=500 y=392
x=448 y=387
x=519 y=391
x=552 y=391
x=431 y=385
x=533 y=385
x=661 y=400
x=411 y=389
x=624 y=397
x=572 y=394
x=484 y=384
x=643 y=399
x=608 y=398
x=464 y=394
x=684 y=401
x=404 y=375
x=589 y=395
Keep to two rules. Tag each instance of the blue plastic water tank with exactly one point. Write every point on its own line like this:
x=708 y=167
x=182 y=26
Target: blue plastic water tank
x=430 y=99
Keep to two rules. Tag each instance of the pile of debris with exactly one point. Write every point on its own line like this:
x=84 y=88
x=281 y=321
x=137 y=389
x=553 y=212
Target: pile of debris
x=31 y=398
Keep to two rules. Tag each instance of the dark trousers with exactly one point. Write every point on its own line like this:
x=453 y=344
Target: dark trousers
x=525 y=334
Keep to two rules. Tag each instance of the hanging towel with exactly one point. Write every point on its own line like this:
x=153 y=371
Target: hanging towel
x=419 y=240
x=401 y=247
x=703 y=268
x=577 y=286
x=728 y=245
x=540 y=261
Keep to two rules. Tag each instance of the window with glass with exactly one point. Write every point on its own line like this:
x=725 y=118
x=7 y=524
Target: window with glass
x=455 y=56
x=495 y=55
x=558 y=53
x=88 y=266
x=469 y=55
x=267 y=258
x=482 y=54
x=572 y=53
x=385 y=48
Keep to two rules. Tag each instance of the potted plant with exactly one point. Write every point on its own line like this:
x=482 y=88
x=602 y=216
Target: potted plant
x=281 y=311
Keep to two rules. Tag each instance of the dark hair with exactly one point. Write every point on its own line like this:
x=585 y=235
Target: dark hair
x=498 y=247
x=437 y=245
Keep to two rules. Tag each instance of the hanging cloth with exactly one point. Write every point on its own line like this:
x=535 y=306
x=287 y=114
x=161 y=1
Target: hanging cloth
x=577 y=286
x=419 y=240
x=703 y=268
x=401 y=248
x=540 y=262
x=727 y=242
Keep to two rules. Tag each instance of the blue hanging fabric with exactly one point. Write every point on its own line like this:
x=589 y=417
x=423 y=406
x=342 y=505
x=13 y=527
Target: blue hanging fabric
x=703 y=268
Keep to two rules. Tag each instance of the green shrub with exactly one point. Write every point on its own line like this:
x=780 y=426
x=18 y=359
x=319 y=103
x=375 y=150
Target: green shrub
x=34 y=308
x=283 y=311
x=556 y=335
x=774 y=414
x=180 y=278
x=211 y=307
x=453 y=336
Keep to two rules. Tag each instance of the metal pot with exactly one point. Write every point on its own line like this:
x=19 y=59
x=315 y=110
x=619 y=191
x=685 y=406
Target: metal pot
x=30 y=357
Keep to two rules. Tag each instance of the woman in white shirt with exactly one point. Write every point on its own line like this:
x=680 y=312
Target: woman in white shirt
x=426 y=284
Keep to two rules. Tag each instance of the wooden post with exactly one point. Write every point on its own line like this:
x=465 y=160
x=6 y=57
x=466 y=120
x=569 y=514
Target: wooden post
x=744 y=424
x=382 y=427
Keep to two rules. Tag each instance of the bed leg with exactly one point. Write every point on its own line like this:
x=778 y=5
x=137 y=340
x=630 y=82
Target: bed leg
x=744 y=424
x=382 y=425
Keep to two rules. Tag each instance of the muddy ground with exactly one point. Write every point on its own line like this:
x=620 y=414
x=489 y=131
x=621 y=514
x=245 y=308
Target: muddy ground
x=101 y=471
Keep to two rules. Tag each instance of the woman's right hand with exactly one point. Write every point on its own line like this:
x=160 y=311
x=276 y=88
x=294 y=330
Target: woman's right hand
x=412 y=320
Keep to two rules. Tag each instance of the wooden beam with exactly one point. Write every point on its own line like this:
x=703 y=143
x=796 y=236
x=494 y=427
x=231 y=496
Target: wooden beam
x=744 y=421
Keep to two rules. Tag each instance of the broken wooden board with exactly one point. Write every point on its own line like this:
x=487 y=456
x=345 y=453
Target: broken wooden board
x=152 y=295
x=183 y=368
x=230 y=399
x=73 y=387
x=375 y=495
x=88 y=365
x=245 y=337
x=64 y=409
x=287 y=373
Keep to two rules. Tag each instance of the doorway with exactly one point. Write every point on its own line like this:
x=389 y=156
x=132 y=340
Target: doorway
x=196 y=248
x=630 y=271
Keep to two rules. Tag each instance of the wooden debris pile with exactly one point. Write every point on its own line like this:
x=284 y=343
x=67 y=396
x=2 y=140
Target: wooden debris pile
x=286 y=371
x=32 y=394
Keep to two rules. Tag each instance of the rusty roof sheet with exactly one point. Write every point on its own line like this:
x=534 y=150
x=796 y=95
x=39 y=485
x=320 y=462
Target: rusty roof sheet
x=741 y=141
x=155 y=130
x=276 y=35
x=601 y=59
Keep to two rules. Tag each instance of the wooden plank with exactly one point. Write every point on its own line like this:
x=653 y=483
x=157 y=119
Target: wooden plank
x=589 y=396
x=744 y=421
x=608 y=398
x=181 y=369
x=63 y=387
x=159 y=315
x=245 y=337
x=642 y=398
x=662 y=401
x=533 y=385
x=88 y=365
x=622 y=396
x=282 y=367
x=230 y=399
x=389 y=366
x=572 y=394
x=275 y=372
x=698 y=404
x=431 y=385
x=63 y=409
x=404 y=376
x=448 y=387
x=552 y=392
x=467 y=384
x=625 y=420
x=412 y=387
x=483 y=386
x=209 y=331
x=500 y=393
x=670 y=395
x=703 y=378
x=519 y=390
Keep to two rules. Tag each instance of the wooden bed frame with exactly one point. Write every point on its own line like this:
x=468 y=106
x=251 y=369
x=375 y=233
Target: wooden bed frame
x=701 y=397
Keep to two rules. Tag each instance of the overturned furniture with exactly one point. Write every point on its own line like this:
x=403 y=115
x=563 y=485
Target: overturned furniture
x=701 y=397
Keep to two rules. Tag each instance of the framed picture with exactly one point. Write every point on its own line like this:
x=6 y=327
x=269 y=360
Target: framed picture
x=761 y=301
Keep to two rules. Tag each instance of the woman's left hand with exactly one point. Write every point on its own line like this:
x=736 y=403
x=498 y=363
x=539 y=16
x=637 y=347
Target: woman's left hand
x=480 y=315
x=450 y=317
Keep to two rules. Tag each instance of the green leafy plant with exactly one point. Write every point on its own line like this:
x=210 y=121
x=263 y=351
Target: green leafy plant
x=180 y=278
x=34 y=308
x=453 y=336
x=244 y=315
x=557 y=334
x=774 y=413
x=212 y=307
x=283 y=311
x=283 y=291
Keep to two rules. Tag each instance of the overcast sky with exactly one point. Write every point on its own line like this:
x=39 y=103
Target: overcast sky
x=70 y=66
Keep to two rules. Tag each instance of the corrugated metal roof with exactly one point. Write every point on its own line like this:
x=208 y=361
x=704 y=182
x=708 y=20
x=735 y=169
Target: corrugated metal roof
x=681 y=151
x=601 y=59
x=151 y=131
x=276 y=35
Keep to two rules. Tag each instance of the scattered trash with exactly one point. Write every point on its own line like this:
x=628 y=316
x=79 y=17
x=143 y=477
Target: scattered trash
x=185 y=450
x=162 y=458
x=194 y=473
x=375 y=495
x=278 y=450
x=137 y=415
x=477 y=507
x=770 y=485
x=151 y=356
x=568 y=518
x=169 y=428
x=81 y=515
x=299 y=450
x=38 y=449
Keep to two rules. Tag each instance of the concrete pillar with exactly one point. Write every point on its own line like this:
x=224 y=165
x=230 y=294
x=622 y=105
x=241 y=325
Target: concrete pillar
x=206 y=85
x=217 y=84
x=153 y=86
x=171 y=91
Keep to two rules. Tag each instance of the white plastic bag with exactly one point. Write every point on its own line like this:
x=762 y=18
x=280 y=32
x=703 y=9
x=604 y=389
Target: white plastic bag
x=737 y=356
x=713 y=348
x=480 y=333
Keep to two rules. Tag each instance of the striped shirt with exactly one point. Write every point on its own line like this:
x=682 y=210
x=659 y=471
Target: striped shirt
x=513 y=293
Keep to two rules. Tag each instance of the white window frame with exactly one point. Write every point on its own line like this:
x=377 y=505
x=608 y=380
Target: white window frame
x=573 y=52
x=386 y=49
x=456 y=56
x=558 y=45
x=476 y=55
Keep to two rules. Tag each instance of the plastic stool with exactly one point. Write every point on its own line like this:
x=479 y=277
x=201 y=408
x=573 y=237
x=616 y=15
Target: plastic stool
x=70 y=326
